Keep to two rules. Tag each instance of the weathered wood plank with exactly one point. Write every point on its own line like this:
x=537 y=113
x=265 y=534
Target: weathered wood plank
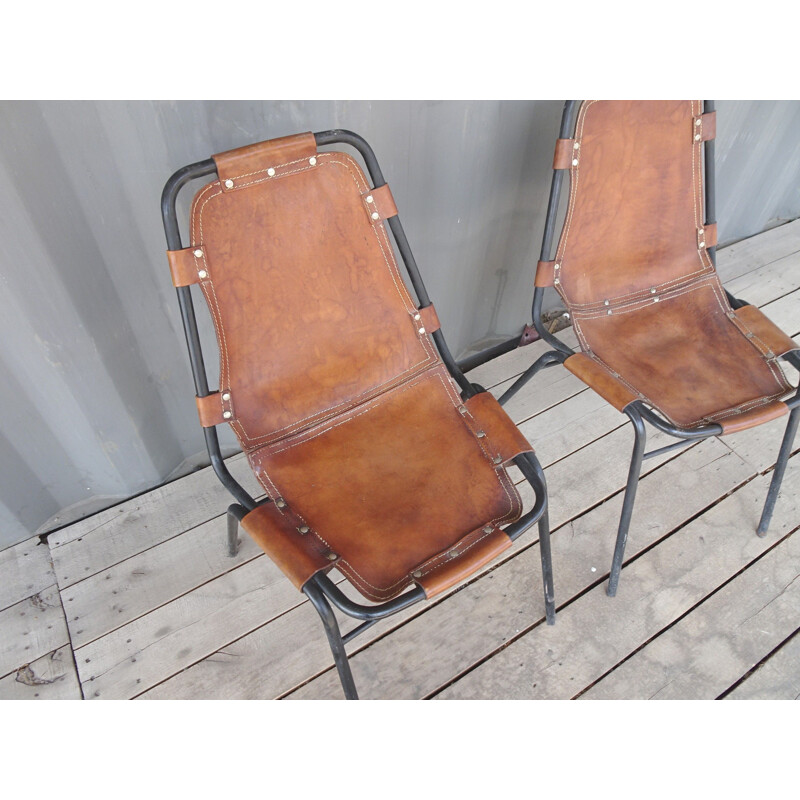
x=769 y=282
x=778 y=678
x=115 y=596
x=758 y=251
x=128 y=529
x=785 y=312
x=477 y=621
x=30 y=629
x=595 y=633
x=25 y=569
x=51 y=677
x=720 y=640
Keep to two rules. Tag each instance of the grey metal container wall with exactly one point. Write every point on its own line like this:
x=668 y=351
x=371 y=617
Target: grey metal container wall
x=94 y=381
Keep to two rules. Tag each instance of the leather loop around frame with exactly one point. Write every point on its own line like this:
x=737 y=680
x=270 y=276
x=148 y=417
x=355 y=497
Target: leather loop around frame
x=600 y=379
x=478 y=548
x=184 y=266
x=429 y=319
x=502 y=437
x=562 y=159
x=710 y=234
x=212 y=409
x=244 y=162
x=294 y=553
x=381 y=202
x=545 y=274
x=708 y=128
x=756 y=416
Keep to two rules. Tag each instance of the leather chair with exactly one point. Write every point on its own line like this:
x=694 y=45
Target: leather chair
x=377 y=456
x=661 y=339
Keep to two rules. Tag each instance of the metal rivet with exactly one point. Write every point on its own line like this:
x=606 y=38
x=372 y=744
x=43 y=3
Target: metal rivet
x=697 y=137
x=422 y=330
x=697 y=121
x=271 y=171
x=574 y=162
x=375 y=215
x=416 y=574
x=702 y=245
x=557 y=266
x=652 y=290
x=280 y=502
x=202 y=274
x=576 y=145
x=488 y=529
x=481 y=434
x=656 y=299
x=453 y=554
x=226 y=414
x=417 y=317
x=462 y=409
x=198 y=253
x=497 y=460
x=312 y=161
x=229 y=184
x=556 y=281
x=304 y=529
x=606 y=302
x=226 y=396
x=369 y=198
x=332 y=556
x=609 y=312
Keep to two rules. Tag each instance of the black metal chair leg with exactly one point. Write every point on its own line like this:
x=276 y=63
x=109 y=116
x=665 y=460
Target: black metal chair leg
x=315 y=595
x=547 y=568
x=233 y=529
x=630 y=497
x=780 y=469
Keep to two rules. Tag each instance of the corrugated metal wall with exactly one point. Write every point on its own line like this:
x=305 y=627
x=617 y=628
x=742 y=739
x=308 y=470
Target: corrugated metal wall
x=94 y=381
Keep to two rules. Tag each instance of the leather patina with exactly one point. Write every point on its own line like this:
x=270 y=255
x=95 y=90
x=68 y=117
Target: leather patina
x=650 y=313
x=337 y=395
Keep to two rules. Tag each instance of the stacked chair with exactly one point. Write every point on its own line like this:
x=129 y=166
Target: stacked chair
x=379 y=459
x=661 y=340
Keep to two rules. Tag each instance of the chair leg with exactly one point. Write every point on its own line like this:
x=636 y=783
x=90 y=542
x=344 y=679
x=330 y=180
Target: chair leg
x=627 y=503
x=780 y=469
x=233 y=531
x=315 y=595
x=547 y=569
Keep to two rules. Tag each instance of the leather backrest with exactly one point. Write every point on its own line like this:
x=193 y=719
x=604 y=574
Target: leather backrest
x=635 y=217
x=312 y=315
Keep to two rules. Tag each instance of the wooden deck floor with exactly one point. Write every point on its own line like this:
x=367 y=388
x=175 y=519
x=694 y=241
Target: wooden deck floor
x=140 y=601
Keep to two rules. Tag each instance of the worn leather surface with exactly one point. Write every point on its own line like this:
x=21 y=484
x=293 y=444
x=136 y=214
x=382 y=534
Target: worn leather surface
x=634 y=270
x=348 y=417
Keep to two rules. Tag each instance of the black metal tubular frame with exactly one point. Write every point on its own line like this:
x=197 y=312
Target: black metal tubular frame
x=637 y=411
x=320 y=590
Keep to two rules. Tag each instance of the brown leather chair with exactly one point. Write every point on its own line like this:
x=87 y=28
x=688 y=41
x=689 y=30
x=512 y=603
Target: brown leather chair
x=377 y=456
x=661 y=339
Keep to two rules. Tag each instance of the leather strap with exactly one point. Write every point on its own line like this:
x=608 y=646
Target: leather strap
x=600 y=379
x=185 y=266
x=707 y=235
x=246 y=165
x=429 y=319
x=213 y=408
x=278 y=533
x=565 y=154
x=545 y=273
x=767 y=337
x=380 y=201
x=471 y=553
x=756 y=416
x=501 y=437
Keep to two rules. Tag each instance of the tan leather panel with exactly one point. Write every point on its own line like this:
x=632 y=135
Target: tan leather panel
x=469 y=555
x=635 y=202
x=391 y=484
x=429 y=318
x=503 y=438
x=564 y=154
x=683 y=354
x=545 y=273
x=212 y=410
x=184 y=266
x=380 y=201
x=765 y=335
x=311 y=313
x=297 y=555
x=245 y=165
x=756 y=416
x=708 y=235
x=595 y=375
